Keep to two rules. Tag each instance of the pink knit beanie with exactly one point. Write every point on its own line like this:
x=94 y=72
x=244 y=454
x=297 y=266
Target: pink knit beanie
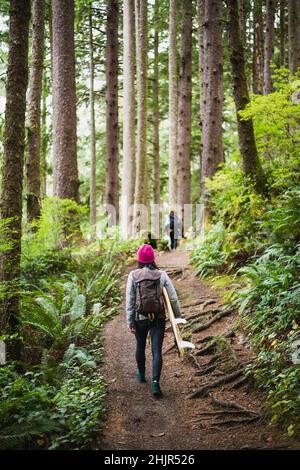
x=145 y=254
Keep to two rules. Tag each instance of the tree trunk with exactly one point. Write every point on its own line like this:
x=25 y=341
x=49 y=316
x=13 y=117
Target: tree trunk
x=128 y=180
x=33 y=172
x=65 y=173
x=155 y=116
x=173 y=106
x=13 y=159
x=282 y=32
x=112 y=125
x=185 y=107
x=258 y=47
x=200 y=16
x=269 y=46
x=141 y=62
x=44 y=140
x=92 y=130
x=294 y=35
x=251 y=164
x=212 y=89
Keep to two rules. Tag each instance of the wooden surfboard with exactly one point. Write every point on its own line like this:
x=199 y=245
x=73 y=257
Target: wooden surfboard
x=180 y=343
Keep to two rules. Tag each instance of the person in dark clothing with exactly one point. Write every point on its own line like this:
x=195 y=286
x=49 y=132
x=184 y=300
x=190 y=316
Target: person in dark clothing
x=173 y=230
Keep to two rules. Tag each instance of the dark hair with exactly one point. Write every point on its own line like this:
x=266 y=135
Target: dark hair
x=142 y=265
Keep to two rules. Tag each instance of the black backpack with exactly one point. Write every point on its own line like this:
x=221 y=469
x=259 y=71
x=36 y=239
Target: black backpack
x=149 y=301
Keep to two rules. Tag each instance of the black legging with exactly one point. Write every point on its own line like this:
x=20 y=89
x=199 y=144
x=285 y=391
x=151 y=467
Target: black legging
x=157 y=331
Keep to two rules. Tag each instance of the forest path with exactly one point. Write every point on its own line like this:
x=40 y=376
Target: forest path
x=135 y=420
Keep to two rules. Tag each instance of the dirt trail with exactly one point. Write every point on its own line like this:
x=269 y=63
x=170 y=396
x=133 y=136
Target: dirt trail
x=135 y=420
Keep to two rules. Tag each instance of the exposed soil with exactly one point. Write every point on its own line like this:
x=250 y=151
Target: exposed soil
x=135 y=420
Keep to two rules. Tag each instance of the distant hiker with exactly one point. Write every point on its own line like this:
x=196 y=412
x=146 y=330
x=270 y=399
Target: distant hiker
x=174 y=229
x=145 y=312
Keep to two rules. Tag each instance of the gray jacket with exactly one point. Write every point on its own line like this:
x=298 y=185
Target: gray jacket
x=131 y=297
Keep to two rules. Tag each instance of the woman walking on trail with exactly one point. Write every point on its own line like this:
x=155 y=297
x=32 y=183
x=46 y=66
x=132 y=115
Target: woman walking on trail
x=145 y=312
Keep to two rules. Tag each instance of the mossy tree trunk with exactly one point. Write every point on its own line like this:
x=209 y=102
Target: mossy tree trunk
x=33 y=163
x=92 y=129
x=173 y=105
x=185 y=107
x=269 y=46
x=294 y=35
x=112 y=124
x=251 y=165
x=13 y=160
x=128 y=179
x=258 y=47
x=212 y=94
x=141 y=184
x=65 y=172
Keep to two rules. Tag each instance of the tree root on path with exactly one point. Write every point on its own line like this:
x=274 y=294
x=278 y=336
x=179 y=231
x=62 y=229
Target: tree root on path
x=229 y=404
x=210 y=368
x=214 y=319
x=212 y=340
x=199 y=301
x=236 y=422
x=200 y=313
x=240 y=383
x=211 y=347
x=220 y=414
x=169 y=349
x=205 y=389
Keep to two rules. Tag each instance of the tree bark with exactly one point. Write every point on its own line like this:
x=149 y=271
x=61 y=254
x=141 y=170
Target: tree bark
x=65 y=174
x=33 y=171
x=173 y=106
x=155 y=115
x=128 y=180
x=141 y=65
x=282 y=32
x=269 y=46
x=13 y=159
x=112 y=124
x=92 y=129
x=258 y=48
x=185 y=106
x=44 y=140
x=251 y=164
x=200 y=16
x=294 y=35
x=212 y=94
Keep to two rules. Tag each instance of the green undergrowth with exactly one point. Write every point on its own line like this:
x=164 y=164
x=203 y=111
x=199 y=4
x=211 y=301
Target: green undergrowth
x=55 y=397
x=251 y=251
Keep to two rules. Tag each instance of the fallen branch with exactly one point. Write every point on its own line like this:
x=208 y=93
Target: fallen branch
x=213 y=320
x=204 y=390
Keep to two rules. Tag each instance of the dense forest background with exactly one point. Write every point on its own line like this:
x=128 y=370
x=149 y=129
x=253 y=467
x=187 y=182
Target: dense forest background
x=107 y=105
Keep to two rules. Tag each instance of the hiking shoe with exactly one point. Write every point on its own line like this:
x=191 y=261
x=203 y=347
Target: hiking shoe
x=140 y=376
x=155 y=388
